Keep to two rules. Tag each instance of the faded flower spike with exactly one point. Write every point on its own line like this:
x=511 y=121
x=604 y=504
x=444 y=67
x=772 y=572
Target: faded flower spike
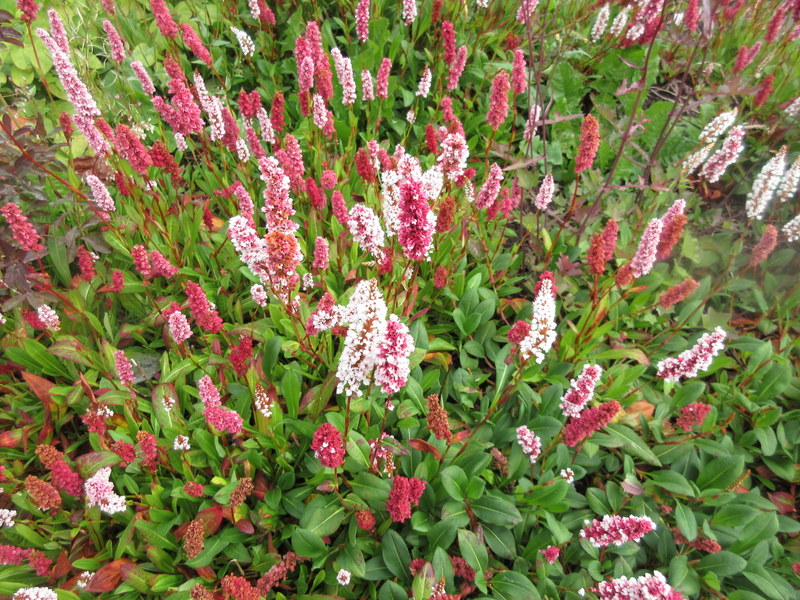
x=100 y=492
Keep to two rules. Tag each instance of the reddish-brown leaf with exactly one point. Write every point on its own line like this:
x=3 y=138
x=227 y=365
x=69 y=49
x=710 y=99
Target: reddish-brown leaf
x=260 y=485
x=62 y=566
x=211 y=518
x=207 y=573
x=108 y=577
x=641 y=407
x=40 y=387
x=11 y=438
x=783 y=501
x=245 y=526
x=461 y=435
x=410 y=305
x=424 y=446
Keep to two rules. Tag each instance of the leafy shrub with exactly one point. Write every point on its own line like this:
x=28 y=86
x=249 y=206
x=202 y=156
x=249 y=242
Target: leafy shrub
x=428 y=299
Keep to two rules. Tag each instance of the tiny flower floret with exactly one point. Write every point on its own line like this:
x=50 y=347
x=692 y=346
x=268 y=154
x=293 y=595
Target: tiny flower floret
x=343 y=577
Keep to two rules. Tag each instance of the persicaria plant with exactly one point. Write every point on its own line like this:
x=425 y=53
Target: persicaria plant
x=388 y=300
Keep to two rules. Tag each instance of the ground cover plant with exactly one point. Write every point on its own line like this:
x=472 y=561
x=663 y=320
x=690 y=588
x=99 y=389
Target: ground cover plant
x=391 y=299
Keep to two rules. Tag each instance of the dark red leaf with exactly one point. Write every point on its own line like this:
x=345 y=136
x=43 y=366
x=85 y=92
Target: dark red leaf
x=245 y=526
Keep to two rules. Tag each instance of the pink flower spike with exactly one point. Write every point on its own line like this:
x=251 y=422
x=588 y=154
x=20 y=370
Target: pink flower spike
x=616 y=530
x=457 y=68
x=117 y=47
x=498 y=102
x=367 y=88
x=417 y=221
x=409 y=11
x=405 y=492
x=542 y=332
x=365 y=227
x=195 y=44
x=531 y=443
x=22 y=230
x=581 y=390
x=49 y=317
x=179 y=327
x=491 y=188
x=166 y=24
x=362 y=20
x=692 y=414
x=646 y=253
x=697 y=358
x=328 y=446
x=29 y=10
x=123 y=366
x=551 y=554
x=382 y=88
x=589 y=421
x=143 y=77
x=525 y=11
x=321 y=253
x=100 y=492
x=394 y=350
x=545 y=194
x=519 y=75
x=649 y=586
x=731 y=148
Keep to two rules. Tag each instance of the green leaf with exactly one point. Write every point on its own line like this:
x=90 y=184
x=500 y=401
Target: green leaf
x=720 y=473
x=211 y=550
x=454 y=481
x=686 y=522
x=323 y=515
x=510 y=585
x=58 y=256
x=156 y=535
x=621 y=436
x=496 y=511
x=392 y=591
x=722 y=564
x=769 y=583
x=290 y=388
x=763 y=527
x=160 y=392
x=674 y=482
x=443 y=534
x=395 y=555
x=682 y=577
x=474 y=552
x=358 y=448
x=547 y=496
x=501 y=541
x=772 y=383
x=307 y=543
x=88 y=464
